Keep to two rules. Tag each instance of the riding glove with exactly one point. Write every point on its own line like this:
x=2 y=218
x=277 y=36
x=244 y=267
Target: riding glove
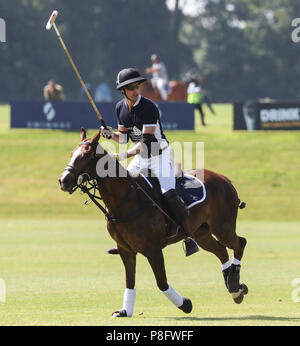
x=107 y=132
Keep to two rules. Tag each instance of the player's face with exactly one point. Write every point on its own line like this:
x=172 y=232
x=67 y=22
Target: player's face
x=133 y=91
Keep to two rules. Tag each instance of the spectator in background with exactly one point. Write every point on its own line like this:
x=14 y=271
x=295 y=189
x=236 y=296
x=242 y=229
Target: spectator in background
x=196 y=94
x=103 y=93
x=160 y=78
x=53 y=91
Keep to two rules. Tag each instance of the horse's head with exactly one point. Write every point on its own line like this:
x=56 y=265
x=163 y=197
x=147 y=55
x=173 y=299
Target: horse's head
x=82 y=164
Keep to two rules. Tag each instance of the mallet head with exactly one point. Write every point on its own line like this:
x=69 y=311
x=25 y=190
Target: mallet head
x=51 y=20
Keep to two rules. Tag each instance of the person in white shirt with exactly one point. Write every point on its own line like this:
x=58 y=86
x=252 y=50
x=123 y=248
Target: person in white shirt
x=160 y=78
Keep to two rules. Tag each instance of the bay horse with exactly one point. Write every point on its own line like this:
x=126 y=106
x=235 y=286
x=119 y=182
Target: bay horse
x=178 y=91
x=138 y=226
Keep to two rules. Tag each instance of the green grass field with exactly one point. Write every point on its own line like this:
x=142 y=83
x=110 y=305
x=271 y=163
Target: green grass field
x=53 y=248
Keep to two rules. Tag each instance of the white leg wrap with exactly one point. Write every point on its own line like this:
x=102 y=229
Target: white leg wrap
x=129 y=300
x=173 y=296
x=226 y=265
x=235 y=261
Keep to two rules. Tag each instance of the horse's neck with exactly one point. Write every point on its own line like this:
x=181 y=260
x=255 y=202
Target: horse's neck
x=116 y=192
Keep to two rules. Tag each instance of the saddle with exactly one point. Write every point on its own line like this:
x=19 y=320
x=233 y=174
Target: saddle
x=190 y=188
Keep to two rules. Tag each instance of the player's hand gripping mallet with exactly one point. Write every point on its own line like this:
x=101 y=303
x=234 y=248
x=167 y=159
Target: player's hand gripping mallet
x=50 y=24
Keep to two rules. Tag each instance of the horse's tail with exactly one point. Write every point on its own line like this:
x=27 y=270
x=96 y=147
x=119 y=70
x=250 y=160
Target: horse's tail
x=242 y=205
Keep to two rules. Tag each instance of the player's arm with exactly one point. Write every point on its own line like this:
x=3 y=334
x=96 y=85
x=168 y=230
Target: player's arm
x=120 y=136
x=145 y=143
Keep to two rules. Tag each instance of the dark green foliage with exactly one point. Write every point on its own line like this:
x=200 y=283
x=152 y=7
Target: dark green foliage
x=246 y=48
x=242 y=48
x=102 y=37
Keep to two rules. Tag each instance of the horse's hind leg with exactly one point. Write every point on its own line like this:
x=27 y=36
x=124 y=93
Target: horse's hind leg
x=207 y=242
x=129 y=261
x=238 y=250
x=230 y=239
x=237 y=289
x=156 y=259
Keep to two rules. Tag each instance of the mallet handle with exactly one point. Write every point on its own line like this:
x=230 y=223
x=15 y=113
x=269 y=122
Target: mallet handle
x=78 y=75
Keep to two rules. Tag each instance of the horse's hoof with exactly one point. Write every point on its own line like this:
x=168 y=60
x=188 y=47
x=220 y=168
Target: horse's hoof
x=119 y=313
x=244 y=288
x=187 y=305
x=238 y=297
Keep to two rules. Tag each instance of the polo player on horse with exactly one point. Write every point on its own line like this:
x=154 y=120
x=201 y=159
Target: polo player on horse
x=139 y=120
x=160 y=80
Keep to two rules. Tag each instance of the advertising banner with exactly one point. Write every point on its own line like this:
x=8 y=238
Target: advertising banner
x=72 y=115
x=255 y=115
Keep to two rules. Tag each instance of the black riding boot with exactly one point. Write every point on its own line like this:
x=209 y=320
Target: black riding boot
x=179 y=212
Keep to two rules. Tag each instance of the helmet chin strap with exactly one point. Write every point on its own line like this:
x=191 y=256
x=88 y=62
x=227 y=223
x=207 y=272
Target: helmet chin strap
x=124 y=93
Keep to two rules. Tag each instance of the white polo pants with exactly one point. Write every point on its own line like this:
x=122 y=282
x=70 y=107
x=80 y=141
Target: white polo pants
x=162 y=85
x=161 y=166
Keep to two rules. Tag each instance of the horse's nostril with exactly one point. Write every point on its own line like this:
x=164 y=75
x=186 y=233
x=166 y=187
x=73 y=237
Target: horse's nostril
x=67 y=181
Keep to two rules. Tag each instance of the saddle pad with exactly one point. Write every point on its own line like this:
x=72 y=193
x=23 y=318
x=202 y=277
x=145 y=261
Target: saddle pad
x=191 y=189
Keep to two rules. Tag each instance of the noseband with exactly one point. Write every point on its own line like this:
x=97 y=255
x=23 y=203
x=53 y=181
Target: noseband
x=70 y=169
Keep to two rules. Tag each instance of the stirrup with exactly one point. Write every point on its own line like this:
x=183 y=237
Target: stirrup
x=190 y=246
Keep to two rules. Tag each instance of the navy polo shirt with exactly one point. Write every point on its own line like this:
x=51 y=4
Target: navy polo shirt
x=143 y=112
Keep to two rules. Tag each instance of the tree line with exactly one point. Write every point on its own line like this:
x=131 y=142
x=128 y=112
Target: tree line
x=243 y=49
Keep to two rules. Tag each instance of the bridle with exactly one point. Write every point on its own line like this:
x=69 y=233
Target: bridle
x=87 y=184
x=79 y=177
x=71 y=169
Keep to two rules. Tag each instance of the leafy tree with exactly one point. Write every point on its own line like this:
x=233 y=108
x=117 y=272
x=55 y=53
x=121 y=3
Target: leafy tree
x=102 y=37
x=244 y=49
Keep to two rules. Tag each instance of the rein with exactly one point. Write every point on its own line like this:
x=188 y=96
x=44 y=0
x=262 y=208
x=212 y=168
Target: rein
x=93 y=197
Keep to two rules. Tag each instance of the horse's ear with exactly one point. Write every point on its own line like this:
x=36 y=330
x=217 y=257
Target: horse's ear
x=97 y=136
x=83 y=134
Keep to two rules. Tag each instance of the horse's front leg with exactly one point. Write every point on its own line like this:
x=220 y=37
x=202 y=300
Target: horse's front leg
x=129 y=260
x=156 y=260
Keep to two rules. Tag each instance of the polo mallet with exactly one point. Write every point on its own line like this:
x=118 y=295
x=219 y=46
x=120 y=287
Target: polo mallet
x=50 y=23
